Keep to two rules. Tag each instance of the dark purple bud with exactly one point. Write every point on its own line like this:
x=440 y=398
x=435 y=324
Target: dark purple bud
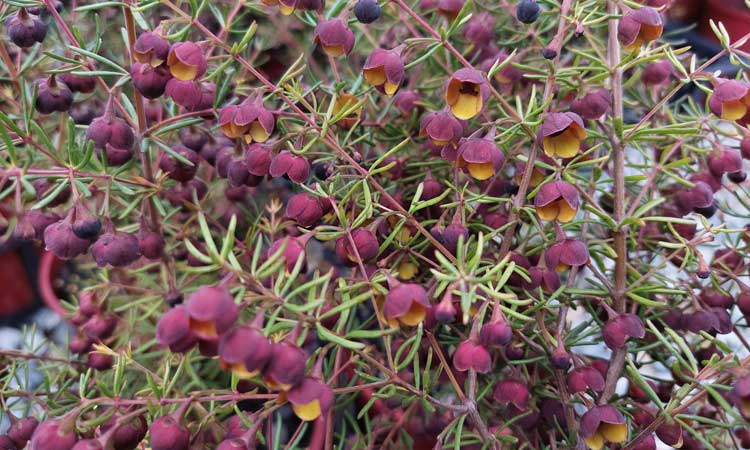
x=150 y=244
x=528 y=11
x=657 y=73
x=116 y=248
x=80 y=344
x=560 y=358
x=100 y=326
x=367 y=11
x=85 y=224
x=150 y=81
x=99 y=361
x=25 y=29
x=183 y=169
x=60 y=239
x=78 y=83
x=305 y=209
x=52 y=95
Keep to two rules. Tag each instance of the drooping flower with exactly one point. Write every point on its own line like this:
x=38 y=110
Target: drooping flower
x=151 y=49
x=245 y=350
x=466 y=92
x=602 y=424
x=310 y=399
x=296 y=167
x=740 y=396
x=25 y=29
x=472 y=355
x=557 y=200
x=639 y=26
x=730 y=99
x=334 y=36
x=480 y=156
x=593 y=105
x=441 y=128
x=249 y=120
x=384 y=69
x=561 y=134
x=186 y=61
x=212 y=311
x=286 y=367
x=406 y=303
x=565 y=254
x=622 y=327
x=365 y=243
x=512 y=391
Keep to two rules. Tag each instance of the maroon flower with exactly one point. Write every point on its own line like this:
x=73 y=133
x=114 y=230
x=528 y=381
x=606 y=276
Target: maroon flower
x=619 y=329
x=151 y=49
x=249 y=120
x=740 y=396
x=21 y=430
x=583 y=378
x=365 y=243
x=441 y=128
x=724 y=161
x=310 y=399
x=182 y=170
x=480 y=29
x=334 y=36
x=406 y=303
x=186 y=93
x=305 y=208
x=286 y=367
x=639 y=26
x=54 y=434
x=116 y=248
x=245 y=351
x=384 y=69
x=212 y=311
x=565 y=254
x=657 y=73
x=497 y=331
x=717 y=299
x=472 y=355
x=730 y=100
x=78 y=83
x=512 y=391
x=561 y=134
x=258 y=160
x=294 y=247
x=60 y=239
x=602 y=424
x=186 y=61
x=173 y=330
x=466 y=92
x=287 y=163
x=557 y=200
x=167 y=433
x=480 y=156
x=113 y=136
x=407 y=101
x=698 y=198
x=593 y=105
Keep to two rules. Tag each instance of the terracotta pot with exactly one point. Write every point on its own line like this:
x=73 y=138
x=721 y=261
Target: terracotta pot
x=49 y=268
x=734 y=14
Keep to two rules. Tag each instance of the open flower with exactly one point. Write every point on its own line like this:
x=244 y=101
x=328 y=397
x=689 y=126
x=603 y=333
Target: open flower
x=249 y=120
x=480 y=156
x=602 y=424
x=466 y=93
x=557 y=200
x=186 y=61
x=730 y=100
x=384 y=69
x=565 y=254
x=244 y=350
x=310 y=399
x=334 y=36
x=638 y=27
x=212 y=311
x=406 y=304
x=561 y=134
x=441 y=128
